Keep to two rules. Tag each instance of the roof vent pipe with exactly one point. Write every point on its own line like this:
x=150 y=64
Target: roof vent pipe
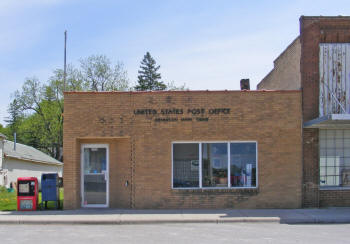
x=245 y=84
x=14 y=144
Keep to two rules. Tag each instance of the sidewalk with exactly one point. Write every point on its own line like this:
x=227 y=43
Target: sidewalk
x=123 y=216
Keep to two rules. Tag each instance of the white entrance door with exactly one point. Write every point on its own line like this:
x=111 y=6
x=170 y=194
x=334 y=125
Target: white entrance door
x=94 y=175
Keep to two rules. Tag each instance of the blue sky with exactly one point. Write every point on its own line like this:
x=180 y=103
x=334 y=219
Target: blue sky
x=204 y=44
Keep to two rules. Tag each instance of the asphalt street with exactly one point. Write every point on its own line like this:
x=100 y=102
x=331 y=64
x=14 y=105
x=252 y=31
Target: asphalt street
x=177 y=233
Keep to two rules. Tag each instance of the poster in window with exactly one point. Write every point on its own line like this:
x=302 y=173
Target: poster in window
x=23 y=188
x=249 y=174
x=194 y=165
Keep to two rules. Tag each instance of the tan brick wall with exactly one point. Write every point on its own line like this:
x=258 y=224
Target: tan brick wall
x=273 y=119
x=285 y=74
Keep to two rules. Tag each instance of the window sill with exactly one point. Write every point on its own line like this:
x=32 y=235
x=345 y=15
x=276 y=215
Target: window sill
x=334 y=188
x=243 y=190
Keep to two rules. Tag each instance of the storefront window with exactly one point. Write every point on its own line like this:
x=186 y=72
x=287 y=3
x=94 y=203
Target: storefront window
x=214 y=164
x=186 y=165
x=334 y=157
x=243 y=164
x=218 y=165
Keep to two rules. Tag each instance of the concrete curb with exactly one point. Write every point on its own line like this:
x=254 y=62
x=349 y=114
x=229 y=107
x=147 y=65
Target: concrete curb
x=133 y=217
x=20 y=221
x=141 y=221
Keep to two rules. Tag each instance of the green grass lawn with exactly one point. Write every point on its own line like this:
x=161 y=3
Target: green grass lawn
x=8 y=200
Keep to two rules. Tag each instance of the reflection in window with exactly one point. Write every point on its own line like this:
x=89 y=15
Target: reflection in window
x=95 y=160
x=186 y=165
x=224 y=164
x=243 y=164
x=214 y=164
x=95 y=187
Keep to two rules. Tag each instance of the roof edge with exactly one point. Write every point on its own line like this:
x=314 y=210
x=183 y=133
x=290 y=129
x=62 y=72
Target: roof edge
x=285 y=50
x=35 y=161
x=262 y=80
x=325 y=17
x=190 y=91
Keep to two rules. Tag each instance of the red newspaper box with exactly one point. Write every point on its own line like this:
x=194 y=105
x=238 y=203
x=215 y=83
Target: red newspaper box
x=27 y=193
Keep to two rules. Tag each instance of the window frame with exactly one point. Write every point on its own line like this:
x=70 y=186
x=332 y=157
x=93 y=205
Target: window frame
x=325 y=147
x=200 y=166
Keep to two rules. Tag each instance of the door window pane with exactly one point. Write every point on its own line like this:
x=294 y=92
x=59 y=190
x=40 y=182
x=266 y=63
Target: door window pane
x=214 y=164
x=243 y=164
x=185 y=165
x=94 y=189
x=95 y=161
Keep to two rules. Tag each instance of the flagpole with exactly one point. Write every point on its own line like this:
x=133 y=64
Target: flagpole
x=65 y=68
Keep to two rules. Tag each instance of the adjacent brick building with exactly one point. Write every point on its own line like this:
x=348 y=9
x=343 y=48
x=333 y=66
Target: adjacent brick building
x=183 y=149
x=318 y=63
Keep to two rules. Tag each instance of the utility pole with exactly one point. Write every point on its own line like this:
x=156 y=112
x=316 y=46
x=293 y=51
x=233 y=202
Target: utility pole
x=65 y=68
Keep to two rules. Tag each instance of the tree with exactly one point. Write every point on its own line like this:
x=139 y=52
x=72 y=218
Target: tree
x=44 y=132
x=170 y=86
x=149 y=78
x=42 y=126
x=3 y=129
x=74 y=81
x=36 y=112
x=14 y=120
x=98 y=74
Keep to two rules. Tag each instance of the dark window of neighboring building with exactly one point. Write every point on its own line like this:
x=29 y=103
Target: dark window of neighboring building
x=186 y=165
x=334 y=157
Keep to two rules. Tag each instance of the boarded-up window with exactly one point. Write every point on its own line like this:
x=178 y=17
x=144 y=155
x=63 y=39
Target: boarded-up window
x=334 y=78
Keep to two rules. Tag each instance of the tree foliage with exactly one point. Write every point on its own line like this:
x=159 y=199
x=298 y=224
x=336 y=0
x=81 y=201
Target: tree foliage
x=14 y=120
x=36 y=112
x=74 y=81
x=3 y=130
x=98 y=74
x=172 y=87
x=149 y=79
x=41 y=127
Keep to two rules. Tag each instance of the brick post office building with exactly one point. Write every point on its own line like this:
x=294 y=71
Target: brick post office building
x=183 y=149
x=318 y=63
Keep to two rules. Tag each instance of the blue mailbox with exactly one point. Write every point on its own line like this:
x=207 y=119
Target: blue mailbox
x=50 y=189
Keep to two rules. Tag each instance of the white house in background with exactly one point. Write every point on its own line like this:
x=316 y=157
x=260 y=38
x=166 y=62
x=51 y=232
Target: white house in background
x=18 y=160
